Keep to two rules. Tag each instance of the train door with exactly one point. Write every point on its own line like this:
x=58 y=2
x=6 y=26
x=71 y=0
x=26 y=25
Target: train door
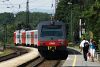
x=28 y=38
x=35 y=38
x=22 y=37
x=32 y=38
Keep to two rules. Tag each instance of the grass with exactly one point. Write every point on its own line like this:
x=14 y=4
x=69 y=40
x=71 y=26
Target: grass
x=76 y=46
x=5 y=52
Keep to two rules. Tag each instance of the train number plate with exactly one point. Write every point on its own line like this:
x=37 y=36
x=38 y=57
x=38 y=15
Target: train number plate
x=51 y=48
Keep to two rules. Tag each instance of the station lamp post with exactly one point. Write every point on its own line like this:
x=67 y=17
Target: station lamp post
x=71 y=28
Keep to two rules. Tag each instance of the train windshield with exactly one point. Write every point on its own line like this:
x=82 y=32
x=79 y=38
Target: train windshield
x=51 y=33
x=46 y=27
x=48 y=30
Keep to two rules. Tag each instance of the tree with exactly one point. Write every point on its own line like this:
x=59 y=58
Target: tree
x=92 y=16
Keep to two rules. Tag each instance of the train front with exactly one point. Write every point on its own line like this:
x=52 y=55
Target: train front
x=52 y=40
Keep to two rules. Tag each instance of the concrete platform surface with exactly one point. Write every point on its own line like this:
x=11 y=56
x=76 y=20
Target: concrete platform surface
x=78 y=60
x=33 y=53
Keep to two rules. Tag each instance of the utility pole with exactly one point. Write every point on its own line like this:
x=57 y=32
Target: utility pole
x=56 y=3
x=71 y=25
x=27 y=13
x=54 y=8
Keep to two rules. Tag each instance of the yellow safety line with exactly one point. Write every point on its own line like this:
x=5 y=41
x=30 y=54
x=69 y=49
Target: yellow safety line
x=74 y=62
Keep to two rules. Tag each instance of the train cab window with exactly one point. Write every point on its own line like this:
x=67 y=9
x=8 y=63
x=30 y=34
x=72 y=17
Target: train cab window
x=51 y=30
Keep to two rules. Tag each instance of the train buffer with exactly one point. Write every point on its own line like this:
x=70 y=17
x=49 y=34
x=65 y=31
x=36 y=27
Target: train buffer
x=78 y=60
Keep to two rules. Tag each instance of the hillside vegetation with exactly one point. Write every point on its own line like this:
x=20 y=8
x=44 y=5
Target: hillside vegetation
x=9 y=23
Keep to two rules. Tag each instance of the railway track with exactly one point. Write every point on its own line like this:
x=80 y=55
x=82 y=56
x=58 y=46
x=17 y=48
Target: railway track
x=17 y=52
x=41 y=62
x=49 y=63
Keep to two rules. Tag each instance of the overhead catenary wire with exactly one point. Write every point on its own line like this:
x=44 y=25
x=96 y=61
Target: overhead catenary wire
x=10 y=7
x=24 y=3
x=20 y=6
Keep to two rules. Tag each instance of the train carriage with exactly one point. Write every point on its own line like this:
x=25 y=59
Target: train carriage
x=52 y=42
x=16 y=37
x=19 y=37
x=32 y=38
x=26 y=38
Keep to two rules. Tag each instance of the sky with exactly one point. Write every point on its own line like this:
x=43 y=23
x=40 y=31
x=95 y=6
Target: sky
x=34 y=6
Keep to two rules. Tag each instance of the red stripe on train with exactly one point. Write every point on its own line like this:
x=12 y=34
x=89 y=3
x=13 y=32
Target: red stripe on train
x=23 y=37
x=15 y=38
x=53 y=43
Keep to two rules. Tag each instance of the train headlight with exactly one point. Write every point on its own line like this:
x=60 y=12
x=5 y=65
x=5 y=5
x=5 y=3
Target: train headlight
x=62 y=43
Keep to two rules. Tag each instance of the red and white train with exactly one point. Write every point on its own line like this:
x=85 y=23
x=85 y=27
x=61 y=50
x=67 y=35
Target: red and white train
x=50 y=38
x=26 y=38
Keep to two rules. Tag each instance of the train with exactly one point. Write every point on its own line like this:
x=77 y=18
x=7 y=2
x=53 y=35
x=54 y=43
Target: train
x=26 y=38
x=52 y=39
x=49 y=37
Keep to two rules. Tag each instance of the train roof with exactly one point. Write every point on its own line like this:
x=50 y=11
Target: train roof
x=31 y=30
x=50 y=22
x=25 y=31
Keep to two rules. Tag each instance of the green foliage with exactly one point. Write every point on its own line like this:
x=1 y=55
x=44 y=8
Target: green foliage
x=64 y=12
x=19 y=22
x=6 y=17
x=60 y=11
x=34 y=19
x=86 y=36
x=87 y=9
x=92 y=16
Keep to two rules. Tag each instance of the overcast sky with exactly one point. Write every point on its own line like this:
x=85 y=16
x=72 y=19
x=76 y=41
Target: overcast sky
x=34 y=5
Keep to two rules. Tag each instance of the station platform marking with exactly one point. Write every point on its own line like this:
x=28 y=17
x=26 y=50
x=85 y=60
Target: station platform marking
x=78 y=60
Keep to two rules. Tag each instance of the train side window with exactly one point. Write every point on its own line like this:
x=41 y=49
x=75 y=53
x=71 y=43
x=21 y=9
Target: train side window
x=28 y=36
x=35 y=36
x=18 y=36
